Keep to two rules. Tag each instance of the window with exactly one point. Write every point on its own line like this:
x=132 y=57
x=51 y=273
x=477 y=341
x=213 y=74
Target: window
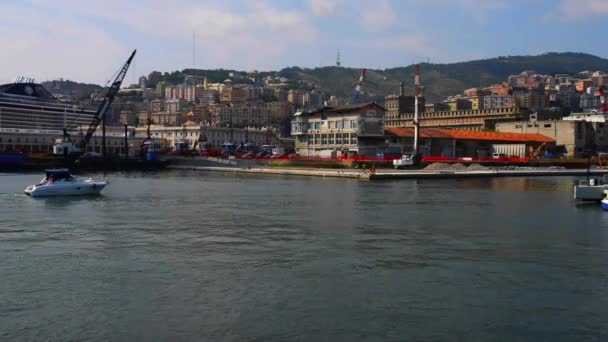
x=332 y=139
x=517 y=126
x=353 y=139
x=339 y=124
x=346 y=123
x=339 y=139
x=317 y=125
x=353 y=124
x=547 y=125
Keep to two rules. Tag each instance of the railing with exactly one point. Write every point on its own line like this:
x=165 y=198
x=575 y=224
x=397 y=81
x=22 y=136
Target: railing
x=442 y=159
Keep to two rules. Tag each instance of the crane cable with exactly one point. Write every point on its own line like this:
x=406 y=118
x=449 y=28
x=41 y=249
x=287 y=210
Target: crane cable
x=105 y=86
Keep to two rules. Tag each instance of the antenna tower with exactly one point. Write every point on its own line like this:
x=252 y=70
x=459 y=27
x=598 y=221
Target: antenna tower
x=193 y=50
x=338 y=63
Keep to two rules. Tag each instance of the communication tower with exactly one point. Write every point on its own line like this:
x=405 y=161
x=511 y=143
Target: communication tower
x=338 y=63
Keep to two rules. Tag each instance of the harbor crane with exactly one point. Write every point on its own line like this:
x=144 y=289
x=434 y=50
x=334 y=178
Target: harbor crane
x=67 y=146
x=415 y=157
x=358 y=86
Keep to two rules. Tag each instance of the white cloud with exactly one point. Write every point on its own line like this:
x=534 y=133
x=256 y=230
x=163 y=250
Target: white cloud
x=47 y=47
x=478 y=10
x=324 y=7
x=252 y=36
x=377 y=16
x=578 y=9
x=485 y=5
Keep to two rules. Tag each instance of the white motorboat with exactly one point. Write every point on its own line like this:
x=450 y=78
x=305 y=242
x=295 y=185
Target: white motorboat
x=60 y=182
x=605 y=201
x=591 y=190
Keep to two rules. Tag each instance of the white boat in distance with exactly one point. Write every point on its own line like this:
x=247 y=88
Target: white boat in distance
x=60 y=182
x=591 y=190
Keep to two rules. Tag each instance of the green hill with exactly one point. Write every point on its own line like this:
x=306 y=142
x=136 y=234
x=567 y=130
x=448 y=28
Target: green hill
x=441 y=80
x=71 y=89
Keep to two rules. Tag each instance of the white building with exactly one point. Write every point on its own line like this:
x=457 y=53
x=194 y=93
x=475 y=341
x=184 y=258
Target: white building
x=497 y=101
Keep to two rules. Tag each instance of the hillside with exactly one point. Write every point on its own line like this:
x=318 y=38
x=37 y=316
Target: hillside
x=72 y=89
x=439 y=80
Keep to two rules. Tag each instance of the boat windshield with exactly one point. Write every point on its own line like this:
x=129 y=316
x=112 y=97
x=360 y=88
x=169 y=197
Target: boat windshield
x=55 y=178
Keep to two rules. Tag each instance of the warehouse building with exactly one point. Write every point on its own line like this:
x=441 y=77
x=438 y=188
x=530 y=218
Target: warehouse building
x=452 y=143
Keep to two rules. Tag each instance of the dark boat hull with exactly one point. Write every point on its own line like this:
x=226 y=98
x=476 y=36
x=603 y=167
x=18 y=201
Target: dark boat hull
x=12 y=158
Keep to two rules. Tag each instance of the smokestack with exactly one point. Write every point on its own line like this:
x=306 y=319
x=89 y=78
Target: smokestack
x=402 y=89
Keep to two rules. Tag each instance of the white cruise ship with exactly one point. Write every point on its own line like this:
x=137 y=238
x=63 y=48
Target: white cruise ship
x=28 y=105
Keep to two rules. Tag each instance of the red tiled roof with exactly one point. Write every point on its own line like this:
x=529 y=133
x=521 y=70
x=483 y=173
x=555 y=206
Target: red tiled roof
x=439 y=133
x=500 y=136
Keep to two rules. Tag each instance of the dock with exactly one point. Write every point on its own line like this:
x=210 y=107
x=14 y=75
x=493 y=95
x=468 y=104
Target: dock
x=387 y=174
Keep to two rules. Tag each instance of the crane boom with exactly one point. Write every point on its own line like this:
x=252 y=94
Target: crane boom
x=107 y=102
x=358 y=86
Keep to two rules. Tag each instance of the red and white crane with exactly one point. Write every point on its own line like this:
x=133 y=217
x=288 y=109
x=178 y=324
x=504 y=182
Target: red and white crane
x=416 y=119
x=603 y=99
x=358 y=86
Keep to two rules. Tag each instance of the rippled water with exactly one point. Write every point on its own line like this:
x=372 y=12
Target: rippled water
x=206 y=256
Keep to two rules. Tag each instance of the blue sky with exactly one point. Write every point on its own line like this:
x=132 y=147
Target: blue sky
x=88 y=40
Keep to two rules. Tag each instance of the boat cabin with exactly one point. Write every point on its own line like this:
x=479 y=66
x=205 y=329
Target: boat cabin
x=54 y=175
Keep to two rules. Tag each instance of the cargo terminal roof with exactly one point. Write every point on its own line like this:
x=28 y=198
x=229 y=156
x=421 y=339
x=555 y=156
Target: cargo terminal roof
x=439 y=133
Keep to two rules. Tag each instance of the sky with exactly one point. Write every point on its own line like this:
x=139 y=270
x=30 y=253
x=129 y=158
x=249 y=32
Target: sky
x=87 y=41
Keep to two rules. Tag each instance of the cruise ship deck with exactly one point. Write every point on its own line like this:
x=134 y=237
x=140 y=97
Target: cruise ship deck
x=29 y=105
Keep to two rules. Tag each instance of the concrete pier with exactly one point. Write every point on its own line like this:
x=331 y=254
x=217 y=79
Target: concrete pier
x=356 y=174
x=382 y=174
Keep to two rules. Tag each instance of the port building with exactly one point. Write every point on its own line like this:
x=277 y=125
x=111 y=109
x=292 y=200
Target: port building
x=470 y=119
x=575 y=135
x=348 y=130
x=40 y=142
x=190 y=133
x=455 y=143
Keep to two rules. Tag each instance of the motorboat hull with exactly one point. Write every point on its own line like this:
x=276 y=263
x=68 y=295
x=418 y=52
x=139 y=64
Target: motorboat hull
x=589 y=192
x=605 y=204
x=66 y=189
